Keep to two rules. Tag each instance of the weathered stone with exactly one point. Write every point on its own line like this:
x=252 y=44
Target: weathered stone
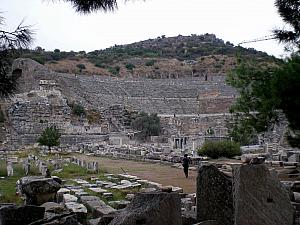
x=267 y=202
x=69 y=198
x=96 y=206
x=208 y=222
x=188 y=218
x=53 y=207
x=39 y=190
x=79 y=209
x=63 y=219
x=17 y=215
x=253 y=158
x=151 y=209
x=119 y=204
x=60 y=194
x=214 y=196
x=98 y=190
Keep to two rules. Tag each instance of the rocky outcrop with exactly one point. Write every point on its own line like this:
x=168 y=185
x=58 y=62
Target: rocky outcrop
x=151 y=209
x=38 y=190
x=11 y=214
x=214 y=196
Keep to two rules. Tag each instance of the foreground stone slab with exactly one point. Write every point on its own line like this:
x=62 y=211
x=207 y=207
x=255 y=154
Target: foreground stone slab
x=39 y=190
x=79 y=209
x=259 y=197
x=96 y=206
x=214 y=196
x=151 y=209
x=98 y=190
x=11 y=214
x=69 y=198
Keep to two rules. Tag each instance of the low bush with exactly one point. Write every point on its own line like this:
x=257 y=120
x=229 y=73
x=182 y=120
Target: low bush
x=78 y=110
x=218 y=149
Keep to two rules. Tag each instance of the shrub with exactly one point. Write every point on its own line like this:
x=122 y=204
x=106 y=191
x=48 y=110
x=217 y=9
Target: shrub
x=78 y=110
x=81 y=66
x=150 y=62
x=114 y=70
x=129 y=66
x=220 y=149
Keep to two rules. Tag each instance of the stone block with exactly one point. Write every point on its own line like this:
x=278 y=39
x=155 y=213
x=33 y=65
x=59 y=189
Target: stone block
x=11 y=214
x=39 y=190
x=96 y=206
x=79 y=209
x=259 y=197
x=151 y=209
x=69 y=198
x=214 y=196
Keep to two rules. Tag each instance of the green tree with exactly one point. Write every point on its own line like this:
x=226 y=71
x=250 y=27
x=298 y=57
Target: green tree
x=130 y=66
x=50 y=137
x=81 y=67
x=148 y=125
x=289 y=10
x=266 y=91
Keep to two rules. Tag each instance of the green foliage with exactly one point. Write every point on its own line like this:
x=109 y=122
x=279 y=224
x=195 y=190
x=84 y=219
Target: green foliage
x=81 y=66
x=264 y=93
x=148 y=125
x=130 y=66
x=100 y=65
x=218 y=149
x=150 y=62
x=50 y=137
x=286 y=89
x=253 y=82
x=289 y=10
x=8 y=185
x=114 y=70
x=78 y=110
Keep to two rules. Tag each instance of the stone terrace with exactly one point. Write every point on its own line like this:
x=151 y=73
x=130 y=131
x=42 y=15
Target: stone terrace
x=163 y=96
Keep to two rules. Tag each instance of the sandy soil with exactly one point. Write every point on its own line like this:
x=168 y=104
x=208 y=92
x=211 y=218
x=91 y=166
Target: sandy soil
x=163 y=174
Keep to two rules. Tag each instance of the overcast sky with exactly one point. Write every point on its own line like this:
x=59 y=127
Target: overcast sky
x=57 y=25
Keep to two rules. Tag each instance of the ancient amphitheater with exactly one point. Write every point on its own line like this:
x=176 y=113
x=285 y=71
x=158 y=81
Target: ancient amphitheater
x=44 y=98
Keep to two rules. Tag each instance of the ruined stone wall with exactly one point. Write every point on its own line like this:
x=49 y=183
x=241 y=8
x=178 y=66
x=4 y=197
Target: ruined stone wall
x=32 y=112
x=44 y=97
x=195 y=124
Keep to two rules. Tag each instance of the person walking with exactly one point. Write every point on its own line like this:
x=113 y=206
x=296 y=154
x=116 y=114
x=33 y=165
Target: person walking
x=185 y=164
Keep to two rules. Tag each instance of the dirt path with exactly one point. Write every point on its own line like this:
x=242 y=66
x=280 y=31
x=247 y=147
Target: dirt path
x=163 y=174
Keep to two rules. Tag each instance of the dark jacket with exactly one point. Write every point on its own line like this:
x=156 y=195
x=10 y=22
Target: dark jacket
x=185 y=162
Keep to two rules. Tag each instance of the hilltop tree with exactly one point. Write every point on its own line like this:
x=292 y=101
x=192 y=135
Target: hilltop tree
x=50 y=137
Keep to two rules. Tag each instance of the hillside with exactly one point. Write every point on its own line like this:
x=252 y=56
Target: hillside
x=172 y=57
